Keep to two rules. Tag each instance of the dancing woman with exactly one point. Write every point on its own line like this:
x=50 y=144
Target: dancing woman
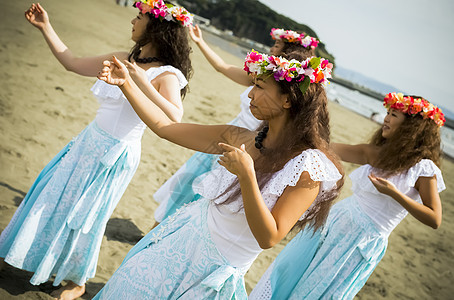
x=272 y=179
x=399 y=175
x=58 y=227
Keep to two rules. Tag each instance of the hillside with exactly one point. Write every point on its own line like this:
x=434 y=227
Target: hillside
x=250 y=19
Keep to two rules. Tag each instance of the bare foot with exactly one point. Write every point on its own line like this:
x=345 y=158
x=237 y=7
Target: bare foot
x=69 y=292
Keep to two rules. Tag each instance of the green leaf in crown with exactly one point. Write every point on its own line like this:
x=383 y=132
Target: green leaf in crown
x=305 y=84
x=314 y=63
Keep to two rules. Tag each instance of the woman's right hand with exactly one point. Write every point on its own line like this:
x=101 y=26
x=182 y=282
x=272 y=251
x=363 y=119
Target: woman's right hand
x=114 y=72
x=195 y=33
x=37 y=16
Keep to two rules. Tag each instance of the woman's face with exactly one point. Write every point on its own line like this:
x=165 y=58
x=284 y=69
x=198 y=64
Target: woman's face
x=267 y=101
x=392 y=121
x=139 y=26
x=277 y=48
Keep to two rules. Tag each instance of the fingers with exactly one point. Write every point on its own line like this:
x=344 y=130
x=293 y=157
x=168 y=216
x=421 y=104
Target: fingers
x=115 y=60
x=40 y=8
x=223 y=159
x=127 y=63
x=227 y=147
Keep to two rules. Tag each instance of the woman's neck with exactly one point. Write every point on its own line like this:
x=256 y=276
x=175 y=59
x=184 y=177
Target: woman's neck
x=276 y=128
x=148 y=50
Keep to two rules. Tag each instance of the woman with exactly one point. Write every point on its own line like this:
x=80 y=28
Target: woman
x=58 y=227
x=178 y=190
x=282 y=175
x=399 y=175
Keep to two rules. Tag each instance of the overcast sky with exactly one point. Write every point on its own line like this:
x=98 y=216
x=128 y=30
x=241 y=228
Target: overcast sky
x=406 y=43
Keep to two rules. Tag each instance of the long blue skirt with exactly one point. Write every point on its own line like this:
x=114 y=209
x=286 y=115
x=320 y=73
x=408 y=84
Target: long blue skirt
x=58 y=227
x=177 y=260
x=334 y=263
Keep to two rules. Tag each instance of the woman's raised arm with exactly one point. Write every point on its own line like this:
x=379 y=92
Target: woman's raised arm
x=203 y=138
x=85 y=66
x=233 y=72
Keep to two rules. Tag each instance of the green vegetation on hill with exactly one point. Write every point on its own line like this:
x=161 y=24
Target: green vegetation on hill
x=250 y=19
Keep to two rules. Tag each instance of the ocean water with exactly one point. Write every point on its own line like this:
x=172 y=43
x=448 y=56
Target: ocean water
x=351 y=99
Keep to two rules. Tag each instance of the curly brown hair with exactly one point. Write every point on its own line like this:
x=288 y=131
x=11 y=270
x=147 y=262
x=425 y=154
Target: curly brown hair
x=415 y=139
x=308 y=129
x=172 y=45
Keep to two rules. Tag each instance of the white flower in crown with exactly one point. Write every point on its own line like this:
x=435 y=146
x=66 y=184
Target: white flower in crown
x=277 y=33
x=306 y=41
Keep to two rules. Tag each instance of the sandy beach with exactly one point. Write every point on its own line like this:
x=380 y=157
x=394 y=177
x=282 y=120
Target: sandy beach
x=42 y=107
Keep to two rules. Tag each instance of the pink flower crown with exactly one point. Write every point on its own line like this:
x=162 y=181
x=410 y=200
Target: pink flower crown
x=163 y=11
x=311 y=70
x=294 y=37
x=414 y=106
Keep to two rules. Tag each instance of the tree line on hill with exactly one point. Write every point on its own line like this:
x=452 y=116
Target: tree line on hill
x=250 y=19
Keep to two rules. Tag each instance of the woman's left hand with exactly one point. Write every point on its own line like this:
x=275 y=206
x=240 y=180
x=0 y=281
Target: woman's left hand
x=137 y=73
x=236 y=160
x=382 y=185
x=114 y=72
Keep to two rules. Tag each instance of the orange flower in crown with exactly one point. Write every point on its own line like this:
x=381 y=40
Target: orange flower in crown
x=414 y=107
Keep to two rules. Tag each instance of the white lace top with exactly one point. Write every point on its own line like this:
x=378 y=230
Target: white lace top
x=227 y=223
x=386 y=212
x=115 y=115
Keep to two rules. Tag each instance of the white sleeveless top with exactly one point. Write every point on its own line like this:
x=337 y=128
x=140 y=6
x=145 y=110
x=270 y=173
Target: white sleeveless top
x=227 y=222
x=386 y=212
x=116 y=116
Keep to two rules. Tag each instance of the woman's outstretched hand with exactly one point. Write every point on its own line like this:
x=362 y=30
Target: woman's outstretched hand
x=114 y=72
x=382 y=185
x=37 y=16
x=236 y=160
x=195 y=33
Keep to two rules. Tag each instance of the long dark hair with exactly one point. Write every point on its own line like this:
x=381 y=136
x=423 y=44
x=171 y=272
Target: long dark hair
x=172 y=45
x=415 y=139
x=308 y=128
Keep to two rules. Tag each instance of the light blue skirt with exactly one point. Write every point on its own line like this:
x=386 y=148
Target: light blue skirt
x=177 y=260
x=177 y=191
x=58 y=227
x=334 y=263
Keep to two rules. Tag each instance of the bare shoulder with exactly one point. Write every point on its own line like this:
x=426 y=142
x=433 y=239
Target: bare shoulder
x=166 y=76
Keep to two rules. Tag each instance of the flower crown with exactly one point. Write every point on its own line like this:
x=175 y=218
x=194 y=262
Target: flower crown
x=311 y=70
x=294 y=37
x=168 y=12
x=414 y=106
